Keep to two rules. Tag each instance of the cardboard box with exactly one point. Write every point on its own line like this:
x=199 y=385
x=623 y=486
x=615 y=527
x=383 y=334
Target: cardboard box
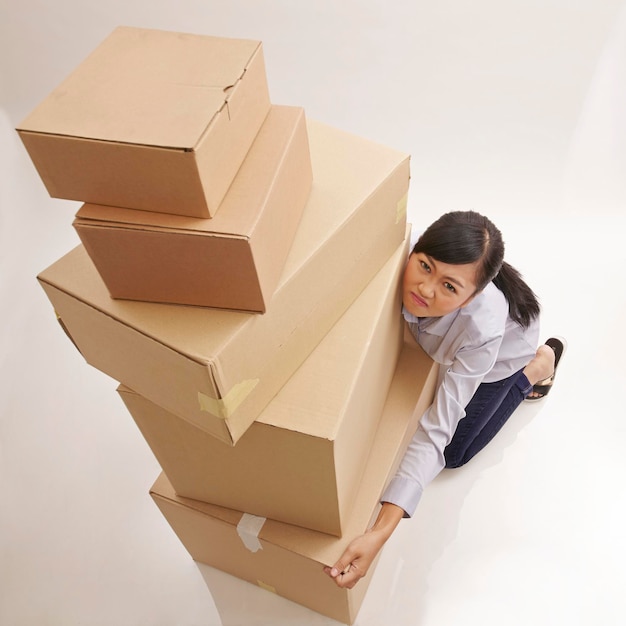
x=233 y=260
x=218 y=369
x=289 y=560
x=151 y=120
x=301 y=461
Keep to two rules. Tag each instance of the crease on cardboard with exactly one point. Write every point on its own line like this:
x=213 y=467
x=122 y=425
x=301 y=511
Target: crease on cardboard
x=248 y=530
x=226 y=406
x=401 y=207
x=228 y=92
x=67 y=332
x=117 y=142
x=229 y=88
x=265 y=586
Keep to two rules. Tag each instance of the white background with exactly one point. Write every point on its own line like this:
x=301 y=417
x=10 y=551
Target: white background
x=514 y=108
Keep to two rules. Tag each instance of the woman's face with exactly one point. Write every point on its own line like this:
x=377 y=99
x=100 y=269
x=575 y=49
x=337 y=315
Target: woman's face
x=432 y=289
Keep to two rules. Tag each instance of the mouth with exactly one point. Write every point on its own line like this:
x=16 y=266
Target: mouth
x=417 y=301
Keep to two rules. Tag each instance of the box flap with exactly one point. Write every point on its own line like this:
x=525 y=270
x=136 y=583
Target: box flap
x=149 y=87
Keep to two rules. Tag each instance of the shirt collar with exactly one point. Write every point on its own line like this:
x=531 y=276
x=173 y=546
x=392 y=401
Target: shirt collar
x=434 y=325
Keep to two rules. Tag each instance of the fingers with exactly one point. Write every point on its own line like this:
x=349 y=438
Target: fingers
x=345 y=576
x=346 y=572
x=361 y=552
x=342 y=566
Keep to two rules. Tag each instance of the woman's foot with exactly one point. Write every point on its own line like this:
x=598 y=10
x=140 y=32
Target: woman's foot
x=542 y=369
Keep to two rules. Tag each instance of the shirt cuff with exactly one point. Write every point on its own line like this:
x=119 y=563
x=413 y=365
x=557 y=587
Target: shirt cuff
x=403 y=492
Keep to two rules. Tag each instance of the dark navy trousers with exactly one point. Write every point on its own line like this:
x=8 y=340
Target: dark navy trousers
x=486 y=413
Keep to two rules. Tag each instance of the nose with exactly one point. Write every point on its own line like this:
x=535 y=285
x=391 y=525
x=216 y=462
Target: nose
x=426 y=288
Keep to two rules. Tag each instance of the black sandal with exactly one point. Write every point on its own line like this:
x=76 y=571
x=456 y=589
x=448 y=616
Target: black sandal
x=558 y=345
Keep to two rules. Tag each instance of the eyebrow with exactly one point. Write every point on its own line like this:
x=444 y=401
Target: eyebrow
x=450 y=279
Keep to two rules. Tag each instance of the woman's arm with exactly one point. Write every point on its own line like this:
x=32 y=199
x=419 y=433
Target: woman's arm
x=422 y=461
x=361 y=552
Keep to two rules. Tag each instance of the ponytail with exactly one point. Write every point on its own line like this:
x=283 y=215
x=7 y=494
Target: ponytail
x=523 y=303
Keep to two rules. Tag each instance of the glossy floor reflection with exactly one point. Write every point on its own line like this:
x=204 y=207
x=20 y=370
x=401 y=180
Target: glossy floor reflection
x=518 y=112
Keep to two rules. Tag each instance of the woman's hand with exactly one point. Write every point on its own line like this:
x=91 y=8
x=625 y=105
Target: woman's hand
x=361 y=552
x=356 y=559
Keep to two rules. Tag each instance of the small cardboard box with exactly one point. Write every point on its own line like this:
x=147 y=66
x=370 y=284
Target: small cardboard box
x=233 y=260
x=151 y=120
x=289 y=560
x=301 y=460
x=218 y=369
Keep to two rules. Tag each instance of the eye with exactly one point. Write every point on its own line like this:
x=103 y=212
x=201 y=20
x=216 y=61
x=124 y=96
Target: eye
x=449 y=287
x=425 y=266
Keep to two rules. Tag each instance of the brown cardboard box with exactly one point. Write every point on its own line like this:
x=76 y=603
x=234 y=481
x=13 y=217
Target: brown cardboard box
x=288 y=560
x=233 y=260
x=218 y=369
x=151 y=120
x=301 y=461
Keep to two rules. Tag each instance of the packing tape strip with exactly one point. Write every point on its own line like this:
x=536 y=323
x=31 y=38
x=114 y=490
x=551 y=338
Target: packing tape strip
x=226 y=406
x=265 y=586
x=401 y=207
x=248 y=530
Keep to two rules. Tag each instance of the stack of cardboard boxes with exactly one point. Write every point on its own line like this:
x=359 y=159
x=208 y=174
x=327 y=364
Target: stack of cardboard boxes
x=238 y=276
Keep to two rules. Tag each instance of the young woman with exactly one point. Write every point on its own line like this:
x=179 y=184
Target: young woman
x=476 y=317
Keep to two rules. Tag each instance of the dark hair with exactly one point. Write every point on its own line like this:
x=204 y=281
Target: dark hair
x=462 y=237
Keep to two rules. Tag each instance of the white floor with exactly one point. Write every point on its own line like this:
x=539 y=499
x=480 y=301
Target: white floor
x=516 y=109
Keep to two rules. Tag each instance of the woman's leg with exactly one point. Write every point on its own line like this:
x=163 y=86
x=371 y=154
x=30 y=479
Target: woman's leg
x=486 y=413
x=492 y=405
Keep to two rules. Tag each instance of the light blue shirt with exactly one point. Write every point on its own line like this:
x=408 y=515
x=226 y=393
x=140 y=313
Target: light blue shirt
x=476 y=344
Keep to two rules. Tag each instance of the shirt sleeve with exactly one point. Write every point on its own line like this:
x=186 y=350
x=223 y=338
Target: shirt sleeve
x=424 y=457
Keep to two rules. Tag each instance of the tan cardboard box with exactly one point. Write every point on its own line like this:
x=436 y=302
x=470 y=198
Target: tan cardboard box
x=218 y=369
x=233 y=260
x=151 y=120
x=301 y=460
x=289 y=560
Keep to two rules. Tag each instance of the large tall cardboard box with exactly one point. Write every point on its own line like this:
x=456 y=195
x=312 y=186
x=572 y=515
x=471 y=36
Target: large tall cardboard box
x=301 y=461
x=233 y=260
x=218 y=369
x=289 y=560
x=151 y=120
